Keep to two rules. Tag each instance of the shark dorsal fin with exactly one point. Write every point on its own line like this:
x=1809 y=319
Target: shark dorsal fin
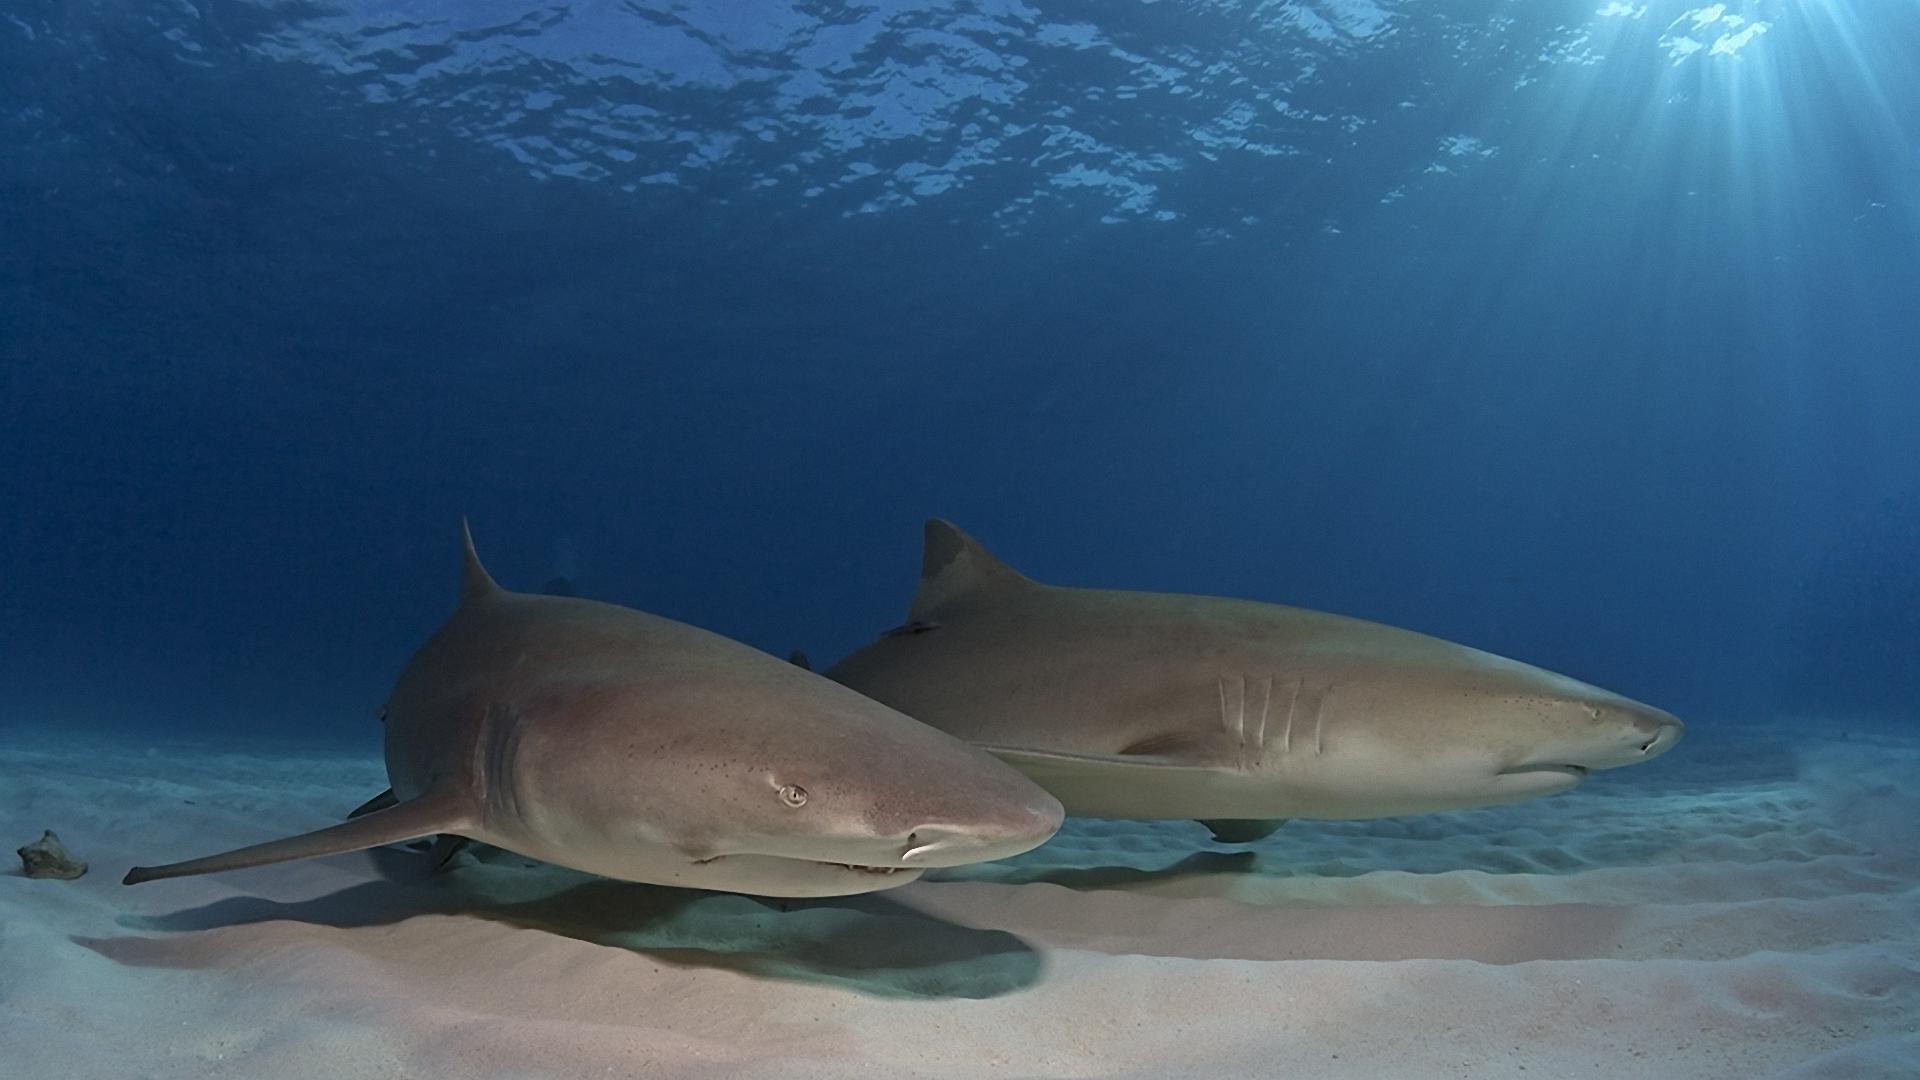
x=955 y=569
x=475 y=582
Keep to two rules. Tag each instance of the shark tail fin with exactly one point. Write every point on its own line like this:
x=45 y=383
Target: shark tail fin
x=434 y=812
x=955 y=569
x=475 y=582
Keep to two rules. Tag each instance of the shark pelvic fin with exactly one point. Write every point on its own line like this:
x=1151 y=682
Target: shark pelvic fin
x=1241 y=830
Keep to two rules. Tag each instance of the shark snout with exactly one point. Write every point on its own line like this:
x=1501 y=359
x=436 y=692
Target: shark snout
x=1009 y=833
x=1605 y=733
x=1660 y=731
x=1626 y=733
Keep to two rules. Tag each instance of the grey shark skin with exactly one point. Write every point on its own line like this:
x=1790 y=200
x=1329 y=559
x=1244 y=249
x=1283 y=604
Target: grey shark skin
x=635 y=747
x=1150 y=705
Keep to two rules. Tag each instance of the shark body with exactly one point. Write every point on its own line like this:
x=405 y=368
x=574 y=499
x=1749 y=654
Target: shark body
x=636 y=747
x=1238 y=713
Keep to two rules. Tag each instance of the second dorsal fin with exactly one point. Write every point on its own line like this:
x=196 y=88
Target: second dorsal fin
x=955 y=570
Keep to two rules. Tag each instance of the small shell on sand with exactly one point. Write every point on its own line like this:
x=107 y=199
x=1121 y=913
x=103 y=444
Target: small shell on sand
x=48 y=858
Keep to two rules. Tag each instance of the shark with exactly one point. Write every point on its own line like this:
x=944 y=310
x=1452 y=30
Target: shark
x=1237 y=713
x=635 y=747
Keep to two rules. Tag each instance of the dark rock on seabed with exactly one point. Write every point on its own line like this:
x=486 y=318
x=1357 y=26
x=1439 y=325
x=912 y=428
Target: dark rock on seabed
x=48 y=858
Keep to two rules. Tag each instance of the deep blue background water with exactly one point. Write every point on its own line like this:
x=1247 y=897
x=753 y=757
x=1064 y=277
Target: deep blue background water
x=1510 y=320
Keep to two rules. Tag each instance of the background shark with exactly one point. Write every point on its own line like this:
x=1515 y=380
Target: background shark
x=1156 y=705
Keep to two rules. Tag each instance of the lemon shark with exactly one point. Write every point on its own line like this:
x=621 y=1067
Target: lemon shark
x=635 y=747
x=1237 y=713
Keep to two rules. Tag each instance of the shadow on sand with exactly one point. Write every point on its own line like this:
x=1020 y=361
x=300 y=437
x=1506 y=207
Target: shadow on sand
x=866 y=943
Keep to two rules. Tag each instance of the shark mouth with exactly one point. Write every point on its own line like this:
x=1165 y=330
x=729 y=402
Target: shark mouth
x=1578 y=772
x=879 y=871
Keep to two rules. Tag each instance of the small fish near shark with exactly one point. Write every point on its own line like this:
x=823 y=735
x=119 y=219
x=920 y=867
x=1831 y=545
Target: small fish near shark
x=1236 y=713
x=631 y=746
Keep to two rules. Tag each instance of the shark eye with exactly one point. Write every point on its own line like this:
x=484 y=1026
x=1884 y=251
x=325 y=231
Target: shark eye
x=793 y=794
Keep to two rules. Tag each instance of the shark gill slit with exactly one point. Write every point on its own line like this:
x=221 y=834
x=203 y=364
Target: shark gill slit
x=1320 y=721
x=501 y=738
x=1293 y=702
x=1233 y=707
x=1266 y=704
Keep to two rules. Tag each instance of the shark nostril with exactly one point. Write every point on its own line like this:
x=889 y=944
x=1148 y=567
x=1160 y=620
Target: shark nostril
x=1660 y=736
x=916 y=849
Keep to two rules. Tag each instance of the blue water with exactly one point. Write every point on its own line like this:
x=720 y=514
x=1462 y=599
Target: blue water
x=1584 y=333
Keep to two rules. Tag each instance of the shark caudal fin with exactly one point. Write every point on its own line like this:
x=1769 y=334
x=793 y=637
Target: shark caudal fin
x=955 y=570
x=427 y=815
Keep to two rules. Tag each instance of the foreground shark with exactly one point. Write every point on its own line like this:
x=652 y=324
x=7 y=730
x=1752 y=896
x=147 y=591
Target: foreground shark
x=1150 y=705
x=635 y=747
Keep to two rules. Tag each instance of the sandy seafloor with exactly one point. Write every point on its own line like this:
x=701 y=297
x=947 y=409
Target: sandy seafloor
x=1747 y=906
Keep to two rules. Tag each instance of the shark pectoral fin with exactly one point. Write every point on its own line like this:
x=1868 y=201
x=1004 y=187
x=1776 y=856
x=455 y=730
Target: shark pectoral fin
x=1039 y=765
x=1241 y=830
x=1178 y=746
x=434 y=812
x=1056 y=759
x=1115 y=786
x=378 y=802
